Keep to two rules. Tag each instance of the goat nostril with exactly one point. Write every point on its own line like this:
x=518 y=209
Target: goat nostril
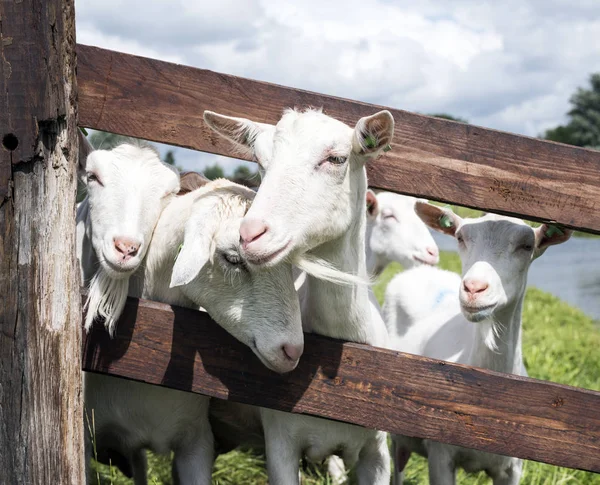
x=432 y=251
x=251 y=230
x=473 y=286
x=126 y=247
x=292 y=352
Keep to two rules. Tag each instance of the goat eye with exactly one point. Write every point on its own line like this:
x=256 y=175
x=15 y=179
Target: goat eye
x=336 y=160
x=232 y=258
x=526 y=247
x=92 y=177
x=460 y=239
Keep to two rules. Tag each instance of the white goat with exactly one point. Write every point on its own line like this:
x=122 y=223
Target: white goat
x=395 y=233
x=127 y=188
x=194 y=260
x=481 y=328
x=312 y=202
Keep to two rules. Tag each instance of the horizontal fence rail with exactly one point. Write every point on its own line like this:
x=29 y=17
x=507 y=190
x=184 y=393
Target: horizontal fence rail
x=382 y=389
x=433 y=158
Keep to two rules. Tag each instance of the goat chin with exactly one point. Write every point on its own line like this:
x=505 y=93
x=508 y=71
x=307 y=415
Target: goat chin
x=106 y=299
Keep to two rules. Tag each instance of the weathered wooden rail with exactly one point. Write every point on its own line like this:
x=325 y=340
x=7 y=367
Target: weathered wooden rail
x=434 y=158
x=377 y=388
x=40 y=395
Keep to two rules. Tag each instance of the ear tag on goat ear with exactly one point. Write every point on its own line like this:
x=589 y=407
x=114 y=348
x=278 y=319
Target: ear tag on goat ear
x=84 y=131
x=552 y=230
x=178 y=251
x=370 y=141
x=387 y=148
x=446 y=221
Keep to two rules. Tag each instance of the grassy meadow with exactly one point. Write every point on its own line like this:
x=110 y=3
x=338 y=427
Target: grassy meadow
x=560 y=344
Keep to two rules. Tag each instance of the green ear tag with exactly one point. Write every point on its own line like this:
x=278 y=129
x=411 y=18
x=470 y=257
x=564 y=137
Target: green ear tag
x=178 y=251
x=83 y=130
x=387 y=148
x=552 y=230
x=446 y=221
x=370 y=141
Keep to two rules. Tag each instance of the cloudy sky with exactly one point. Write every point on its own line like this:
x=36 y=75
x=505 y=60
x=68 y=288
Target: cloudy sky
x=509 y=65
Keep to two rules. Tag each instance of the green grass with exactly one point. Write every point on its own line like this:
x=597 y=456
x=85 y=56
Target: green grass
x=560 y=344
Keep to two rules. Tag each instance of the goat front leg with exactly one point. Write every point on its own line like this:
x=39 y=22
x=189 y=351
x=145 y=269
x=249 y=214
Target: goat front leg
x=193 y=463
x=139 y=466
x=282 y=450
x=373 y=466
x=400 y=455
x=511 y=476
x=441 y=464
x=336 y=470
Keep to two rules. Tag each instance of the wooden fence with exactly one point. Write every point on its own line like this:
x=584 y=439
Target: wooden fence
x=184 y=349
x=382 y=389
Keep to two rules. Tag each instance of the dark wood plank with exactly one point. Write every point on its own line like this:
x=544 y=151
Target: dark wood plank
x=41 y=426
x=433 y=158
x=355 y=383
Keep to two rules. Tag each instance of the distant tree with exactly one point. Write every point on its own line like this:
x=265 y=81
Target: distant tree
x=585 y=114
x=214 y=172
x=243 y=175
x=583 y=128
x=170 y=158
x=562 y=134
x=242 y=172
x=448 y=117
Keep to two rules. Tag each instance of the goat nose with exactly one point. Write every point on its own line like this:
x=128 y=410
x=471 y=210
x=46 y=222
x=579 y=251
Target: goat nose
x=127 y=247
x=293 y=352
x=251 y=230
x=432 y=251
x=474 y=287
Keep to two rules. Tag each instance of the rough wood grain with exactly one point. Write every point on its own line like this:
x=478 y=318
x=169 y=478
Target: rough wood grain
x=431 y=157
x=395 y=392
x=41 y=426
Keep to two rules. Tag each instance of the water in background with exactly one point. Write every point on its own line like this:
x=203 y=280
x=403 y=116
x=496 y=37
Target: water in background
x=570 y=271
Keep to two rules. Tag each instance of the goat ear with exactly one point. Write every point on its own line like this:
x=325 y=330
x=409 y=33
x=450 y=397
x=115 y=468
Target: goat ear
x=191 y=181
x=85 y=148
x=548 y=235
x=196 y=249
x=438 y=218
x=372 y=205
x=240 y=131
x=373 y=134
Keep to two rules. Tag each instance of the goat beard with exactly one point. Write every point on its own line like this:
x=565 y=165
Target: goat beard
x=322 y=270
x=106 y=299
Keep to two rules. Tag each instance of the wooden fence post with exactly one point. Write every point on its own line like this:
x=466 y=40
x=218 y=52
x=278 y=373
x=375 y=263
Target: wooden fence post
x=41 y=426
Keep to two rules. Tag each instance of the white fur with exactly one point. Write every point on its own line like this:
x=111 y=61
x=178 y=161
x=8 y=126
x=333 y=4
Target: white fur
x=189 y=263
x=481 y=329
x=396 y=233
x=417 y=302
x=309 y=203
